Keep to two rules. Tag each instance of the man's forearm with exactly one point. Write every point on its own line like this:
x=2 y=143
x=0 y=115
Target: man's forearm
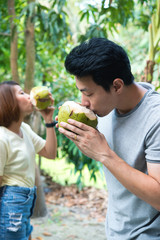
x=142 y=185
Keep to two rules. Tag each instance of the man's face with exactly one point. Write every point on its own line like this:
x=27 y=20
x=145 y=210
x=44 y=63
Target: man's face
x=95 y=97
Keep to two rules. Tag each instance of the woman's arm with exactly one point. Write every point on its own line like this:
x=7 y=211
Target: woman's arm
x=50 y=148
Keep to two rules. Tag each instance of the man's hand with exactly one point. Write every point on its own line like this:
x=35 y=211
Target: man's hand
x=89 y=140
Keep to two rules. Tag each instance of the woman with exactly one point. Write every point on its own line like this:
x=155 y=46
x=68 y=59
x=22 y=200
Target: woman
x=18 y=146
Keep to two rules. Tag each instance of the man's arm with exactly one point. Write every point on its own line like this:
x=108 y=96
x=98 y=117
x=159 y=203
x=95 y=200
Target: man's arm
x=93 y=144
x=146 y=187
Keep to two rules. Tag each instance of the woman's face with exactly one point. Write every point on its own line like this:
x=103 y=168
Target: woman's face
x=24 y=102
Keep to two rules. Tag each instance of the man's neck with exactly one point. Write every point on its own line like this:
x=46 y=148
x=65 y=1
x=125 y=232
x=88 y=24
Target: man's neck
x=130 y=97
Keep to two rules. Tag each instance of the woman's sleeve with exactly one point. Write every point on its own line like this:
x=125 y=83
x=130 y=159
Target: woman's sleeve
x=3 y=156
x=37 y=141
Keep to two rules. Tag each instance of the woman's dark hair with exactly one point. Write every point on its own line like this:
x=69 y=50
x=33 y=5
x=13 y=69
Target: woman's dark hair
x=102 y=59
x=9 y=109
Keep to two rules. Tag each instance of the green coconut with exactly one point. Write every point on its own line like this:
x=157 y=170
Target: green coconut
x=39 y=97
x=73 y=110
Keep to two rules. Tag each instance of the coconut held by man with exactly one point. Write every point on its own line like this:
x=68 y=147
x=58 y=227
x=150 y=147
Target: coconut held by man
x=73 y=110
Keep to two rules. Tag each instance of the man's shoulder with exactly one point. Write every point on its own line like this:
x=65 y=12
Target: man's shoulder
x=152 y=96
x=147 y=85
x=153 y=100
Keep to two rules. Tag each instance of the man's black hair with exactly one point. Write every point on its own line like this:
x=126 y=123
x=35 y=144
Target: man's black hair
x=102 y=59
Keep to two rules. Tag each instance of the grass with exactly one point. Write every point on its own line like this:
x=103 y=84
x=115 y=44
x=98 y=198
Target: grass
x=63 y=173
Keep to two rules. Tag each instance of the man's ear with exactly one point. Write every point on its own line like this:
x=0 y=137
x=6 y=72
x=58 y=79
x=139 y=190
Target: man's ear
x=118 y=85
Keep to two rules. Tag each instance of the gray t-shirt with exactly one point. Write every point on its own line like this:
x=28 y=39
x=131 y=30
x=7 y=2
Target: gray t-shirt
x=134 y=137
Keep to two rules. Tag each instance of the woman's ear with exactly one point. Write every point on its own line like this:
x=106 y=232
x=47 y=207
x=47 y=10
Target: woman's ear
x=118 y=85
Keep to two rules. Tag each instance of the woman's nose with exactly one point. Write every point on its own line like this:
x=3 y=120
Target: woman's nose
x=28 y=95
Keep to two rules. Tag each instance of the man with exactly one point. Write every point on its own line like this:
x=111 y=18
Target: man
x=127 y=141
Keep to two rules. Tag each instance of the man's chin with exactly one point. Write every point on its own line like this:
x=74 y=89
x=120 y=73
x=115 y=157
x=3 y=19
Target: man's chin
x=101 y=115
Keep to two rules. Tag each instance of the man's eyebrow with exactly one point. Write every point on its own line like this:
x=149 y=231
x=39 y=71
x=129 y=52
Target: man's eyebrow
x=82 y=90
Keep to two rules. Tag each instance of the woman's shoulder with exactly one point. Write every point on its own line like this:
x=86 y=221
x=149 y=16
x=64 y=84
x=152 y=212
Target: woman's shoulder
x=26 y=126
x=3 y=134
x=27 y=129
x=3 y=131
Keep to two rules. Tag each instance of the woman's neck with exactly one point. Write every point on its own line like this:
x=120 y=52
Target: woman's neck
x=15 y=127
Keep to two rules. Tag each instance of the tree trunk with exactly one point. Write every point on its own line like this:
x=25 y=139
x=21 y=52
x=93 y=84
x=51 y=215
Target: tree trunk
x=30 y=52
x=40 y=209
x=149 y=71
x=154 y=39
x=14 y=39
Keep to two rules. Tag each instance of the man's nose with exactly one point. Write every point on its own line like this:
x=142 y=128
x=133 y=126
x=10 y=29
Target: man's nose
x=84 y=101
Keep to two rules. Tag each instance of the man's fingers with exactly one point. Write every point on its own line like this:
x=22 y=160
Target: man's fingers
x=79 y=125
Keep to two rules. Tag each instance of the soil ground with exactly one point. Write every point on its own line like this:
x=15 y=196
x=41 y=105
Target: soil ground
x=63 y=223
x=72 y=214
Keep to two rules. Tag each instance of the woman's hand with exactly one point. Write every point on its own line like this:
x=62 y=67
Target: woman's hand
x=50 y=149
x=47 y=113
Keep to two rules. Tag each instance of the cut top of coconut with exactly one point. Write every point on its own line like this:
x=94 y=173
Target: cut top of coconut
x=39 y=92
x=77 y=108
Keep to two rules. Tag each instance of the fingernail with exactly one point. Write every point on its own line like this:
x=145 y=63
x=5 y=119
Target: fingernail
x=61 y=123
x=60 y=129
x=70 y=120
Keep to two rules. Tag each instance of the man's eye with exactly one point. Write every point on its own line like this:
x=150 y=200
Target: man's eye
x=89 y=95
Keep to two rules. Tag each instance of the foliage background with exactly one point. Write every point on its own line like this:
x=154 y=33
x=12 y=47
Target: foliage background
x=59 y=25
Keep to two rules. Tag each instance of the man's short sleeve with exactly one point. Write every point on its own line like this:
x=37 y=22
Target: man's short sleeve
x=153 y=144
